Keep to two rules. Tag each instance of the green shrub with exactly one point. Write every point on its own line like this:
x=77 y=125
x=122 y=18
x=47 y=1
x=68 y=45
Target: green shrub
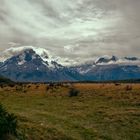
x=73 y=92
x=8 y=123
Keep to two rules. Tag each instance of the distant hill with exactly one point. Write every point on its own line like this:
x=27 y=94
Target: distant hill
x=4 y=80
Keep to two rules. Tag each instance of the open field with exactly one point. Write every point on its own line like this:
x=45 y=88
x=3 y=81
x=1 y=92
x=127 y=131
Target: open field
x=99 y=112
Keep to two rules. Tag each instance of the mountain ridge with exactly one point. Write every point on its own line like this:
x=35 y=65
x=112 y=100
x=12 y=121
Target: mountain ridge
x=31 y=65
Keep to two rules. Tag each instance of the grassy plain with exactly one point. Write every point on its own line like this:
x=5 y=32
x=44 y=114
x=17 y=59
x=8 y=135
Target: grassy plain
x=99 y=112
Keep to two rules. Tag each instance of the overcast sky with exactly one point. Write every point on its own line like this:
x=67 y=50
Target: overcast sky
x=73 y=29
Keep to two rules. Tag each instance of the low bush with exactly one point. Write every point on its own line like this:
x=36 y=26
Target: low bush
x=73 y=92
x=28 y=86
x=1 y=86
x=117 y=84
x=11 y=85
x=37 y=86
x=8 y=123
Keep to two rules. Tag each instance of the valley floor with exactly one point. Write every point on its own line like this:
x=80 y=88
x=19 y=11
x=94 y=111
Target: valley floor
x=100 y=111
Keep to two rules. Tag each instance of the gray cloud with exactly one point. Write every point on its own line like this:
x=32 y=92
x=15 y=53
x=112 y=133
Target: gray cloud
x=72 y=29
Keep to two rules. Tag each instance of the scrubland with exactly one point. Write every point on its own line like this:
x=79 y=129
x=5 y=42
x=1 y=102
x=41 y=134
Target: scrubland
x=96 y=112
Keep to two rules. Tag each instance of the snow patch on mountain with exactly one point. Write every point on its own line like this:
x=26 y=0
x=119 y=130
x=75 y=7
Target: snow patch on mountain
x=21 y=62
x=110 y=60
x=48 y=57
x=43 y=53
x=106 y=59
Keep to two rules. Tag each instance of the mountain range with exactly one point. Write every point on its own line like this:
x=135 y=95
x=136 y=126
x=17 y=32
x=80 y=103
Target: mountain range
x=31 y=64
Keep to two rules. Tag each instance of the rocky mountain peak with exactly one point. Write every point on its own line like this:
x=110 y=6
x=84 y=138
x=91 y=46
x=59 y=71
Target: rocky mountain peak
x=31 y=64
x=106 y=59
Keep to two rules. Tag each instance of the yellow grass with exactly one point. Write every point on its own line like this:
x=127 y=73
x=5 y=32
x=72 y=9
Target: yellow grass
x=100 y=111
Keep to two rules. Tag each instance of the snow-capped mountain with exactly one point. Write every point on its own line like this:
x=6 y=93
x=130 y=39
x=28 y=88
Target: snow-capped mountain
x=31 y=64
x=109 y=60
x=132 y=58
x=46 y=55
x=108 y=72
x=106 y=59
x=13 y=51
